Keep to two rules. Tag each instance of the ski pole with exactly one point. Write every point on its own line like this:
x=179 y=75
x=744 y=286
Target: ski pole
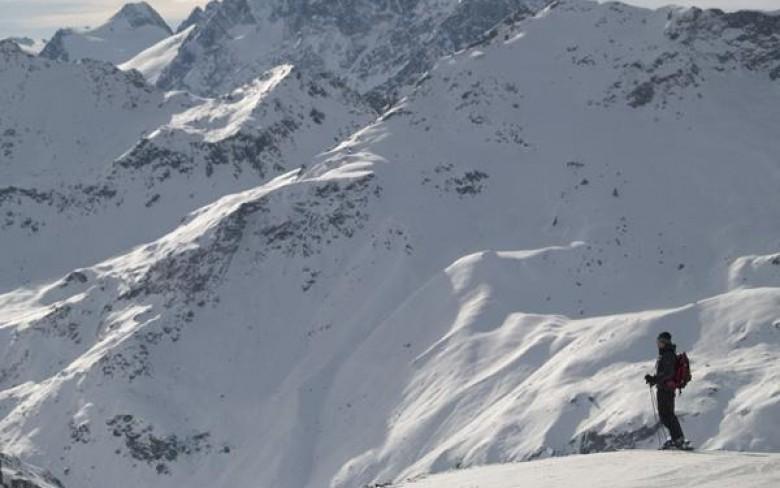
x=655 y=414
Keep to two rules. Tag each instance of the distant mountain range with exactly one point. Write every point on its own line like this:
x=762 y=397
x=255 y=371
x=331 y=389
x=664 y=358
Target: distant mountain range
x=135 y=27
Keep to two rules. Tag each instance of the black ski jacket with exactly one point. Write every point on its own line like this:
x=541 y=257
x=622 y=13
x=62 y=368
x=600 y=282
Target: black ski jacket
x=665 y=367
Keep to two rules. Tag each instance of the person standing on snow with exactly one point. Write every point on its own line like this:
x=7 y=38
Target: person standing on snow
x=663 y=380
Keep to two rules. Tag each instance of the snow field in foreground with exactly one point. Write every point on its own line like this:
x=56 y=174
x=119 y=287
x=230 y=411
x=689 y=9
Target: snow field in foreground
x=625 y=469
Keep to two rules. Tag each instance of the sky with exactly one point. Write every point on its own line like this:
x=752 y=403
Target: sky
x=40 y=18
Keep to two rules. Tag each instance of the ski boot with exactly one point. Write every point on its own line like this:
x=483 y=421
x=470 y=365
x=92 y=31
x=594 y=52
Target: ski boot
x=678 y=445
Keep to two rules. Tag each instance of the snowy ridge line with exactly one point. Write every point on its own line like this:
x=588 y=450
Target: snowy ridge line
x=37 y=141
x=135 y=27
x=353 y=48
x=210 y=234
x=151 y=61
x=192 y=152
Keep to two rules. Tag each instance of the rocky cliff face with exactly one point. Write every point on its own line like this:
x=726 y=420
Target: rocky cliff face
x=375 y=46
x=139 y=15
x=17 y=474
x=747 y=40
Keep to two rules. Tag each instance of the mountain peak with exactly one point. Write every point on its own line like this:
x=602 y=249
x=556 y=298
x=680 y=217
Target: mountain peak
x=135 y=27
x=11 y=53
x=194 y=18
x=140 y=14
x=9 y=47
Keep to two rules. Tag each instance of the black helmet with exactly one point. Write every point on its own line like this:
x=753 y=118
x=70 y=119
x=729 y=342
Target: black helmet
x=665 y=336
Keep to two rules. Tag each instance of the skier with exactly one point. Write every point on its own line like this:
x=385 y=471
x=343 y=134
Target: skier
x=663 y=380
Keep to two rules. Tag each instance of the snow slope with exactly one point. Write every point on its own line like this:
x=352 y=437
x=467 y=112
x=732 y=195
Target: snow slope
x=636 y=469
x=134 y=28
x=150 y=62
x=372 y=45
x=477 y=276
x=41 y=145
x=89 y=178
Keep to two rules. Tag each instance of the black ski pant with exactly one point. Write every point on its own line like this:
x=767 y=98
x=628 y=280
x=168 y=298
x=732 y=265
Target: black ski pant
x=666 y=413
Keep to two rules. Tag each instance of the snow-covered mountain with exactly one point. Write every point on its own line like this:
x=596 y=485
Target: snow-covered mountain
x=100 y=112
x=475 y=276
x=152 y=61
x=198 y=16
x=134 y=28
x=79 y=183
x=374 y=45
x=27 y=44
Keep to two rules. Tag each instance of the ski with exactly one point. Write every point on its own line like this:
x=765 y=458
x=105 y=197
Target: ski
x=685 y=447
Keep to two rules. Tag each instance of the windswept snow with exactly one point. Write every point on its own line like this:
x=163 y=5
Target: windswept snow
x=219 y=119
x=639 y=469
x=153 y=60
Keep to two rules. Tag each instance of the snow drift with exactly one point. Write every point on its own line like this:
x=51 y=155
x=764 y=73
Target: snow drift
x=622 y=470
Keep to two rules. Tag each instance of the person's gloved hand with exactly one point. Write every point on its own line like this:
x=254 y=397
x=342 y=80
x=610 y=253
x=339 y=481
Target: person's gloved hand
x=650 y=379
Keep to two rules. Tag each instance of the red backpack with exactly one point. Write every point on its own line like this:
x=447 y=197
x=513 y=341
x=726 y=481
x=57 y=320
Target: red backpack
x=682 y=372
